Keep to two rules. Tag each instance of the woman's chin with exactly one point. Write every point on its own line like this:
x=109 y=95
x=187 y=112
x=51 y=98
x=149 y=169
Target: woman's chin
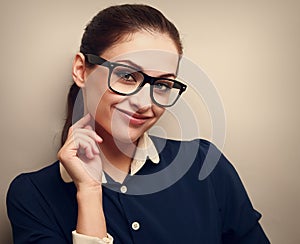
x=129 y=138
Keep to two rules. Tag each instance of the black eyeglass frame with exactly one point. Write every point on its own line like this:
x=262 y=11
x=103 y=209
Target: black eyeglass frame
x=94 y=59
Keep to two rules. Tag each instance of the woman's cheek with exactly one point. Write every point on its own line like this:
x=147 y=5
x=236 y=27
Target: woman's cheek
x=94 y=91
x=92 y=100
x=158 y=111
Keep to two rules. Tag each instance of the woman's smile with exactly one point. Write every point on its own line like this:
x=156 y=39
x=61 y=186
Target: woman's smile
x=133 y=118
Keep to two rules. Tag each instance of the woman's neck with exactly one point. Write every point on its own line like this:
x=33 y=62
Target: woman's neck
x=116 y=155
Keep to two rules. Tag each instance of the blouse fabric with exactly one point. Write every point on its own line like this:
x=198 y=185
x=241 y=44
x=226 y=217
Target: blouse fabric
x=162 y=203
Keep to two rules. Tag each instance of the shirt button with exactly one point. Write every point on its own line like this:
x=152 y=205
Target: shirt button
x=123 y=189
x=135 y=225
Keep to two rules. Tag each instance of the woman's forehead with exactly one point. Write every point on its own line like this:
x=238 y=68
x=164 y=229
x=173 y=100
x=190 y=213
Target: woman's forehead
x=155 y=60
x=146 y=50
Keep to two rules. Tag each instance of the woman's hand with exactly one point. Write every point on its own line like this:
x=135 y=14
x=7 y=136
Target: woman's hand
x=80 y=154
x=80 y=157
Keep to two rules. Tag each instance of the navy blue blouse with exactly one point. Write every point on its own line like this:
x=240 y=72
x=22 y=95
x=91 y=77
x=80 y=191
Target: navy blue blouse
x=42 y=208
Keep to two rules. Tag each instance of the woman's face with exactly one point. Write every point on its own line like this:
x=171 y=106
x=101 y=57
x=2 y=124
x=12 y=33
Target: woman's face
x=126 y=118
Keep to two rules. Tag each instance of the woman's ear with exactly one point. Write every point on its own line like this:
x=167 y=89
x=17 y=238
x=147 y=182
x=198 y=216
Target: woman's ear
x=79 y=70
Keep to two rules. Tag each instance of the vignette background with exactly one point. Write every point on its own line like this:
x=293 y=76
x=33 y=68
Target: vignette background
x=249 y=49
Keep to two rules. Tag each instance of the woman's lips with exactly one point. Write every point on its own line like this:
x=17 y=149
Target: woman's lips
x=134 y=118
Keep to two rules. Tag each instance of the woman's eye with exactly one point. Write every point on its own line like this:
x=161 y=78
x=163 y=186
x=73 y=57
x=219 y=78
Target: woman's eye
x=163 y=86
x=127 y=76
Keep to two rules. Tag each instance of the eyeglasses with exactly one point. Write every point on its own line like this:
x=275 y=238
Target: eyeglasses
x=127 y=80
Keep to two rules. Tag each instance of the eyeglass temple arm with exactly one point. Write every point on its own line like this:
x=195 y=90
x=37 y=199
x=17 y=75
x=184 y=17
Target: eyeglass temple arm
x=94 y=59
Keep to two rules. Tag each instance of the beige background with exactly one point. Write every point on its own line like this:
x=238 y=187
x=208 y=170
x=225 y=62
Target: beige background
x=249 y=49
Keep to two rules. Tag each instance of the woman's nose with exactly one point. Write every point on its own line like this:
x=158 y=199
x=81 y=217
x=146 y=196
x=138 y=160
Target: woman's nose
x=142 y=99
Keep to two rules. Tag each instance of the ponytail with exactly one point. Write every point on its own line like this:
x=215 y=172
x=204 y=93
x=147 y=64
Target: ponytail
x=73 y=112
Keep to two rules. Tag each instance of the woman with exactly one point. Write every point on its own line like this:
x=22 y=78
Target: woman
x=102 y=189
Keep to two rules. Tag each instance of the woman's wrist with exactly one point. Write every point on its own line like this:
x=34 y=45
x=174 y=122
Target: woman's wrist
x=91 y=219
x=89 y=192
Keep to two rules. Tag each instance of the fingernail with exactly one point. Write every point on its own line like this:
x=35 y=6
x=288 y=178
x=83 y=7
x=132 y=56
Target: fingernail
x=99 y=138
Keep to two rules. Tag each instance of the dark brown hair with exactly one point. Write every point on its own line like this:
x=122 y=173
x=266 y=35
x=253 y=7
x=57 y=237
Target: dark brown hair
x=107 y=28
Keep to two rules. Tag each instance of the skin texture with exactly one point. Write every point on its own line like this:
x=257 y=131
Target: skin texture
x=119 y=121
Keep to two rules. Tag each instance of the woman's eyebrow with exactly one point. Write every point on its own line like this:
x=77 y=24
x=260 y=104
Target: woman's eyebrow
x=130 y=63
x=167 y=75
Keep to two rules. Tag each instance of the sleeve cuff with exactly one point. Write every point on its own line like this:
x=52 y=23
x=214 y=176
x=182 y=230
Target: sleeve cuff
x=83 y=239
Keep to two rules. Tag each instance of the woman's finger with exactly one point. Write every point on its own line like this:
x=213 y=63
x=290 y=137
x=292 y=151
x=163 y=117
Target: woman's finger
x=82 y=122
x=83 y=137
x=89 y=132
x=85 y=148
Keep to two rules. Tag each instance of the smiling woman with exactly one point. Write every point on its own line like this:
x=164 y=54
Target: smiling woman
x=125 y=76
